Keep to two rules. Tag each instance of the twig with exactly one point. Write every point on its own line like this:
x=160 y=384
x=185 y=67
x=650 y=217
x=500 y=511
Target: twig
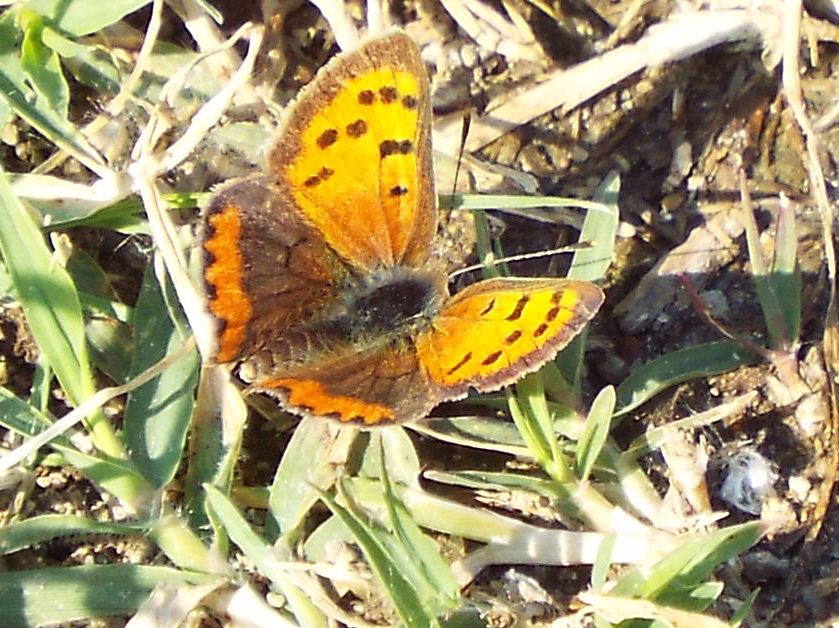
x=705 y=315
x=677 y=38
x=830 y=342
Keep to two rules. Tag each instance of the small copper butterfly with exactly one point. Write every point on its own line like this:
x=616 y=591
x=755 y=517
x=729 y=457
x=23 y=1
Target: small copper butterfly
x=319 y=269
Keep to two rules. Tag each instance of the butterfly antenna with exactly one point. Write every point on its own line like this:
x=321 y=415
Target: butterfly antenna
x=464 y=133
x=573 y=248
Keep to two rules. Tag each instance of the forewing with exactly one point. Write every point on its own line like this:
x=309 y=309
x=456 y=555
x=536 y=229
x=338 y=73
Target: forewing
x=265 y=269
x=493 y=332
x=354 y=155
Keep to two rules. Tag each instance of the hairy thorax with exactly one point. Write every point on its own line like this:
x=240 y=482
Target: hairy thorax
x=387 y=307
x=400 y=300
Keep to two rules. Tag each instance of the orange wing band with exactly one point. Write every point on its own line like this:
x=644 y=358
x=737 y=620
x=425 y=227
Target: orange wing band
x=311 y=397
x=225 y=275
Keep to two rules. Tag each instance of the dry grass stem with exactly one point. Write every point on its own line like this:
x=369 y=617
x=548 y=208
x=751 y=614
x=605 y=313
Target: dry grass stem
x=678 y=37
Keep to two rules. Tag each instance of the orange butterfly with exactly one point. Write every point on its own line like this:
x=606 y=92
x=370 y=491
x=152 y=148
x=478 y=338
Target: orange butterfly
x=319 y=270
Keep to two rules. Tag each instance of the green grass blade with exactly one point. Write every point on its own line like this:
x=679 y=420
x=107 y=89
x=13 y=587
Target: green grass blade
x=18 y=535
x=423 y=566
x=599 y=229
x=240 y=532
x=5 y=112
x=110 y=343
x=688 y=566
x=742 y=612
x=402 y=594
x=84 y=18
x=263 y=556
x=679 y=366
x=595 y=433
x=403 y=463
x=47 y=295
x=19 y=96
x=515 y=201
x=19 y=416
x=52 y=308
x=65 y=594
x=786 y=273
x=696 y=560
x=770 y=301
x=308 y=465
x=115 y=475
x=215 y=440
x=158 y=413
x=529 y=429
x=107 y=321
x=42 y=67
x=41 y=391
x=603 y=563
x=181 y=544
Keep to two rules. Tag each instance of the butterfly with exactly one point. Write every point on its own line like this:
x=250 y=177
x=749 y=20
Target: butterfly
x=319 y=269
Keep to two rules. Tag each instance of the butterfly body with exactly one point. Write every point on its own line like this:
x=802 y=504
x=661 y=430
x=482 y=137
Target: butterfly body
x=320 y=272
x=404 y=303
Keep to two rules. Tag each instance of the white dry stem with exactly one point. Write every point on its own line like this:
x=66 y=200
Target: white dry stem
x=111 y=187
x=638 y=493
x=616 y=609
x=818 y=189
x=292 y=577
x=687 y=465
x=88 y=156
x=516 y=542
x=169 y=605
x=429 y=427
x=512 y=39
x=530 y=545
x=247 y=608
x=484 y=175
x=377 y=18
x=88 y=407
x=508 y=259
x=149 y=166
x=222 y=56
x=117 y=104
x=791 y=79
x=336 y=12
x=219 y=395
x=206 y=117
x=678 y=37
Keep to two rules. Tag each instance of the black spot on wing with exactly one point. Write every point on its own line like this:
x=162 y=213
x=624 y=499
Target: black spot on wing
x=327 y=138
x=357 y=128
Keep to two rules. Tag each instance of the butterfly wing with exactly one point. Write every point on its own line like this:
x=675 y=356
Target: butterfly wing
x=355 y=155
x=491 y=333
x=485 y=337
x=266 y=270
x=378 y=385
